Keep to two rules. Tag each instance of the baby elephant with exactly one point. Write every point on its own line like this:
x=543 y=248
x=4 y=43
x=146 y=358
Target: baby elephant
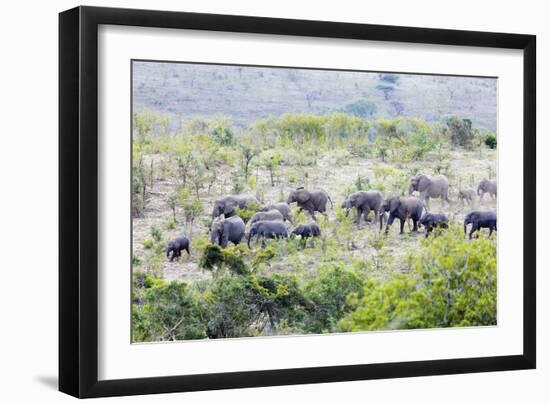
x=272 y=214
x=175 y=247
x=480 y=220
x=267 y=229
x=434 y=221
x=306 y=230
x=467 y=196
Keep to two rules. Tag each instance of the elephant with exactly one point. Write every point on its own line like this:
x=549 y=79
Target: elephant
x=175 y=247
x=430 y=187
x=282 y=207
x=272 y=214
x=227 y=230
x=227 y=204
x=306 y=230
x=267 y=229
x=402 y=208
x=486 y=186
x=467 y=195
x=310 y=201
x=433 y=221
x=364 y=202
x=480 y=220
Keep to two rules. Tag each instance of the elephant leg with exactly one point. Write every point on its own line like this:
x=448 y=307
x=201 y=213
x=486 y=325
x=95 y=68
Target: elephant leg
x=187 y=249
x=358 y=214
x=415 y=225
x=312 y=214
x=474 y=229
x=367 y=215
x=172 y=257
x=401 y=225
x=490 y=230
x=428 y=230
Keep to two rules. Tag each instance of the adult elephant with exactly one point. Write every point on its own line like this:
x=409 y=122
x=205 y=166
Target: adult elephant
x=267 y=229
x=402 y=208
x=364 y=202
x=430 y=187
x=272 y=214
x=282 y=207
x=480 y=220
x=227 y=204
x=487 y=187
x=310 y=201
x=227 y=230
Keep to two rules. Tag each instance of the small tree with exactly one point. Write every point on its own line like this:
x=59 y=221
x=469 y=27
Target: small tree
x=172 y=199
x=192 y=209
x=460 y=131
x=248 y=152
x=271 y=163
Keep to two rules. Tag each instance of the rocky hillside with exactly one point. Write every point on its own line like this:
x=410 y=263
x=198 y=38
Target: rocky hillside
x=246 y=94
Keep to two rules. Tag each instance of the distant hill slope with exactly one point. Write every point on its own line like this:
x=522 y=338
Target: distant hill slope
x=247 y=94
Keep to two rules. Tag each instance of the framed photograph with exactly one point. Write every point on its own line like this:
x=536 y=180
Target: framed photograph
x=250 y=201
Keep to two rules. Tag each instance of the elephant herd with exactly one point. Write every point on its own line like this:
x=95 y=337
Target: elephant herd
x=269 y=221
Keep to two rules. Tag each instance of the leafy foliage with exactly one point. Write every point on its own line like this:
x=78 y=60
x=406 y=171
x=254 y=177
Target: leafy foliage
x=453 y=284
x=460 y=131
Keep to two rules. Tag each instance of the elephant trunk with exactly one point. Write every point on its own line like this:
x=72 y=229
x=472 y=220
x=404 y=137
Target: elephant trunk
x=465 y=225
x=249 y=237
x=411 y=189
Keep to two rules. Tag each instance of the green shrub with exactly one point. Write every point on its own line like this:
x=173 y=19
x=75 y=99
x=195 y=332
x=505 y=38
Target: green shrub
x=362 y=108
x=168 y=312
x=328 y=292
x=170 y=224
x=460 y=131
x=156 y=233
x=215 y=259
x=248 y=212
x=147 y=243
x=452 y=284
x=245 y=306
x=491 y=140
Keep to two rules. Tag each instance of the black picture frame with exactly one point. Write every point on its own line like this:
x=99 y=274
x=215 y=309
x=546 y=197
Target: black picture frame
x=78 y=200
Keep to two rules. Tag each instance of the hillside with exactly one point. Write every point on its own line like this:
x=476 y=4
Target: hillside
x=247 y=94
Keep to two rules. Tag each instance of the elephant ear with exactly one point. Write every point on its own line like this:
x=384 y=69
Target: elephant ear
x=423 y=183
x=229 y=207
x=353 y=199
x=394 y=204
x=302 y=196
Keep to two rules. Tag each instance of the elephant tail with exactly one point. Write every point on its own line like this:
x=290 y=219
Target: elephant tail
x=331 y=204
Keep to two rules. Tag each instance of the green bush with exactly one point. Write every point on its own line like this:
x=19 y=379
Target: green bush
x=452 y=284
x=167 y=311
x=328 y=292
x=460 y=131
x=147 y=243
x=213 y=258
x=245 y=306
x=491 y=140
